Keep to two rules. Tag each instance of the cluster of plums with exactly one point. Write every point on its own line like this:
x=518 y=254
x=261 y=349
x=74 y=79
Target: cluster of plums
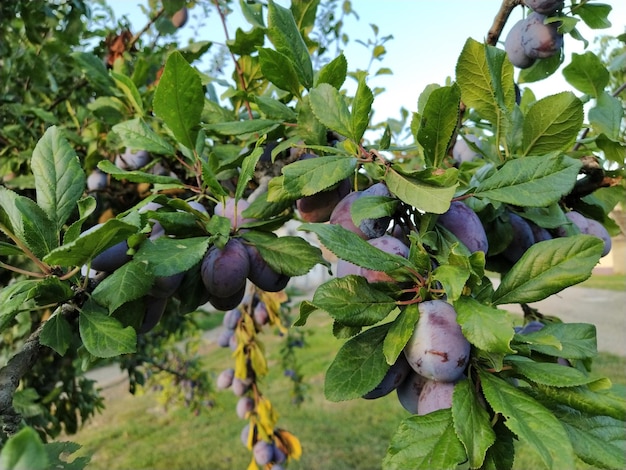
x=533 y=38
x=432 y=362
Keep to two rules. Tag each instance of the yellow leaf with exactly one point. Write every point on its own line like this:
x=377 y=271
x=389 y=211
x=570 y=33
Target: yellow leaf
x=257 y=360
x=272 y=301
x=252 y=465
x=267 y=418
x=289 y=443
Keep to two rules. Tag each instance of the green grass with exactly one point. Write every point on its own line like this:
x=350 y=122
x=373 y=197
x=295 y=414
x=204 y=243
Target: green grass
x=615 y=282
x=136 y=433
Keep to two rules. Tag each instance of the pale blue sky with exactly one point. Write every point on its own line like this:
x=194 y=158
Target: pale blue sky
x=427 y=40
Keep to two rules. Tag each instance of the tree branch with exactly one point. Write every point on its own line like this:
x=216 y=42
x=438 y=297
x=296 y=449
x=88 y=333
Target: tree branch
x=500 y=20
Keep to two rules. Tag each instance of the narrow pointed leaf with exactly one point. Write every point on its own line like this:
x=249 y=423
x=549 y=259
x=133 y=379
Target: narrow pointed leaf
x=128 y=88
x=56 y=334
x=358 y=367
x=367 y=307
x=130 y=282
x=549 y=267
x=522 y=413
x=307 y=177
x=104 y=336
x=135 y=176
x=548 y=373
x=179 y=99
x=531 y=181
x=59 y=177
x=330 y=109
x=424 y=443
x=361 y=109
x=400 y=332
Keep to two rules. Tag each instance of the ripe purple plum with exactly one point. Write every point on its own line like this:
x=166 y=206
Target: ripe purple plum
x=97 y=180
x=531 y=327
x=224 y=338
x=225 y=379
x=263 y=452
x=232 y=209
x=231 y=318
x=386 y=243
x=225 y=270
x=514 y=47
x=523 y=238
x=409 y=391
x=545 y=7
x=112 y=258
x=319 y=206
x=179 y=19
x=539 y=233
x=130 y=160
x=461 y=150
x=245 y=406
x=154 y=309
x=539 y=39
x=374 y=228
x=396 y=374
x=341 y=214
x=466 y=226
x=241 y=386
x=260 y=314
x=165 y=286
x=261 y=275
x=437 y=348
x=435 y=396
x=596 y=229
x=228 y=302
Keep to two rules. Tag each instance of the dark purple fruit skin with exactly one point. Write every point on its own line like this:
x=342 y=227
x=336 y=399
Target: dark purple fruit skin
x=409 y=391
x=225 y=379
x=514 y=47
x=261 y=275
x=466 y=226
x=341 y=214
x=231 y=318
x=396 y=374
x=545 y=7
x=596 y=229
x=132 y=160
x=374 y=228
x=154 y=309
x=540 y=234
x=540 y=40
x=531 y=327
x=523 y=238
x=112 y=258
x=165 y=286
x=386 y=243
x=437 y=349
x=435 y=396
x=229 y=302
x=225 y=271
x=318 y=207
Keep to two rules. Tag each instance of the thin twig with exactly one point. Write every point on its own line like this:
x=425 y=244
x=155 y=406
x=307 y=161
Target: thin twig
x=136 y=37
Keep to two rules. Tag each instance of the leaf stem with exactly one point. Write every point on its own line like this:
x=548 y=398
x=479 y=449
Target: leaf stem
x=43 y=266
x=21 y=271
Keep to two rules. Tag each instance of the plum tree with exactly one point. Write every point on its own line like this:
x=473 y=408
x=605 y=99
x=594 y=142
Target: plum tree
x=587 y=226
x=409 y=390
x=262 y=275
x=466 y=226
x=515 y=49
x=523 y=237
x=437 y=349
x=225 y=270
x=154 y=309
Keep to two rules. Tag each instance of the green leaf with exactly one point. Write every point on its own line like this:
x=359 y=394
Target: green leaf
x=425 y=443
x=95 y=71
x=260 y=126
x=245 y=43
x=587 y=73
x=59 y=456
x=420 y=193
x=179 y=99
x=531 y=181
x=522 y=414
x=130 y=282
x=86 y=207
x=309 y=128
x=606 y=116
x=56 y=334
x=372 y=207
x=24 y=451
x=247 y=171
x=552 y=123
x=283 y=32
x=438 y=123
x=350 y=247
x=12 y=300
x=59 y=177
x=549 y=267
x=330 y=109
x=400 y=332
x=86 y=247
x=487 y=328
x=104 y=336
x=274 y=109
x=541 y=69
x=367 y=306
x=361 y=109
x=471 y=423
x=167 y=256
x=128 y=88
x=334 y=72
x=548 y=373
x=601 y=403
x=573 y=340
x=292 y=256
x=595 y=15
x=136 y=134
x=486 y=80
x=452 y=278
x=596 y=440
x=51 y=290
x=279 y=70
x=136 y=176
x=310 y=176
x=358 y=367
